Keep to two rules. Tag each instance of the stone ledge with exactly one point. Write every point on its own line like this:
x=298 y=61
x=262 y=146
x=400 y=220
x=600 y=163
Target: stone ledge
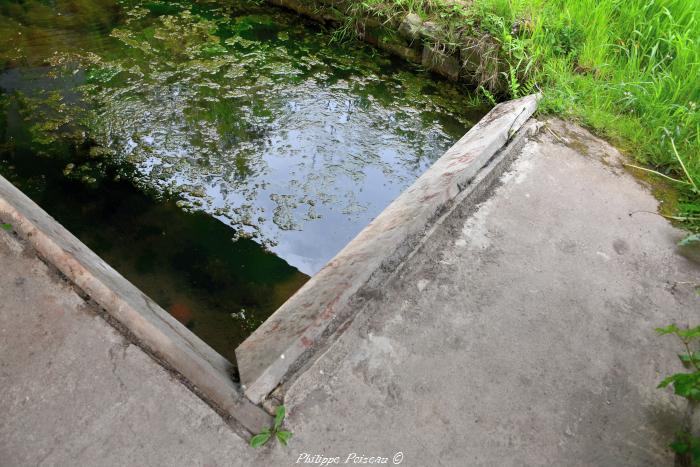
x=316 y=313
x=158 y=332
x=473 y=59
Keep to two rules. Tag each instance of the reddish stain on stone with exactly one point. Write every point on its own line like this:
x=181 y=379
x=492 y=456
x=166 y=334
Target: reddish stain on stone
x=328 y=311
x=462 y=160
x=306 y=342
x=429 y=197
x=392 y=223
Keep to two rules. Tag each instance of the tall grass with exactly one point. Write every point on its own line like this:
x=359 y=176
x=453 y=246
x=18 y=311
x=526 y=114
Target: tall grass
x=629 y=69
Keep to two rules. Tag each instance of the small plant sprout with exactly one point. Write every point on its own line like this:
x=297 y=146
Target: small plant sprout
x=6 y=226
x=264 y=436
x=686 y=385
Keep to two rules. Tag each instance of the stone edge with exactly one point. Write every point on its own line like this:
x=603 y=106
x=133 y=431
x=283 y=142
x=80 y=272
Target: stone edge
x=291 y=338
x=204 y=371
x=474 y=59
x=479 y=190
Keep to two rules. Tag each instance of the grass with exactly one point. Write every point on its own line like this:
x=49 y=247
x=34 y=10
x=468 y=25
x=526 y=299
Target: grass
x=627 y=69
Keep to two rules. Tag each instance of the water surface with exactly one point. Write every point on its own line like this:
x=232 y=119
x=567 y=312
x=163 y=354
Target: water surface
x=215 y=153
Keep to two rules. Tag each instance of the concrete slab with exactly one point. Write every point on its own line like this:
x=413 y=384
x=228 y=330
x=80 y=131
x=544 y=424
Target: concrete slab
x=156 y=330
x=521 y=332
x=76 y=392
x=289 y=338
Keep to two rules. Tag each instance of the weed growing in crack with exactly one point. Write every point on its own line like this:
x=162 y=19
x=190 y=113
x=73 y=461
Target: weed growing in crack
x=274 y=431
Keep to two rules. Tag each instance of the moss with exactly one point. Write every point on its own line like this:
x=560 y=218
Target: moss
x=665 y=192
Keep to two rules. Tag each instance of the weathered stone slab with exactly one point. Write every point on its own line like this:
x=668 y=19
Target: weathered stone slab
x=479 y=61
x=156 y=330
x=410 y=27
x=431 y=30
x=407 y=53
x=468 y=64
x=441 y=62
x=310 y=318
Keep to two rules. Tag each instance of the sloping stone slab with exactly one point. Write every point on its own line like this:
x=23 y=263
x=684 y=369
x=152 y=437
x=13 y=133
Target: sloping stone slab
x=310 y=318
x=155 y=329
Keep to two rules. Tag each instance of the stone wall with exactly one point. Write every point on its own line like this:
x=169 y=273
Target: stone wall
x=463 y=57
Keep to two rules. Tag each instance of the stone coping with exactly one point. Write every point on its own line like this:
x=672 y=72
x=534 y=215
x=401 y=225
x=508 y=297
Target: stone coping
x=154 y=329
x=315 y=314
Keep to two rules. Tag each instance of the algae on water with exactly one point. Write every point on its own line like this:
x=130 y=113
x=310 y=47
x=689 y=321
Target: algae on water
x=237 y=110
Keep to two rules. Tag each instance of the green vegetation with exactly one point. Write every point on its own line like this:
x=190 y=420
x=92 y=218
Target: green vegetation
x=233 y=73
x=272 y=432
x=686 y=385
x=628 y=69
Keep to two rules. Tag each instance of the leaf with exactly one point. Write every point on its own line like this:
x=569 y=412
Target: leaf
x=684 y=384
x=690 y=333
x=666 y=381
x=690 y=239
x=6 y=226
x=679 y=447
x=279 y=416
x=688 y=445
x=284 y=436
x=670 y=329
x=260 y=439
x=686 y=334
x=694 y=358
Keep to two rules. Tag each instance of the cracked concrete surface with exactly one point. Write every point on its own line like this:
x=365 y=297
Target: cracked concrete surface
x=522 y=334
x=76 y=392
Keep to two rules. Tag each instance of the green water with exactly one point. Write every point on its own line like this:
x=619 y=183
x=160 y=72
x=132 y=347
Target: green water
x=215 y=153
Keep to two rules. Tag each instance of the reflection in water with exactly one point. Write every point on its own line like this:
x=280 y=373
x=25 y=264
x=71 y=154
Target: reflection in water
x=186 y=262
x=245 y=113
